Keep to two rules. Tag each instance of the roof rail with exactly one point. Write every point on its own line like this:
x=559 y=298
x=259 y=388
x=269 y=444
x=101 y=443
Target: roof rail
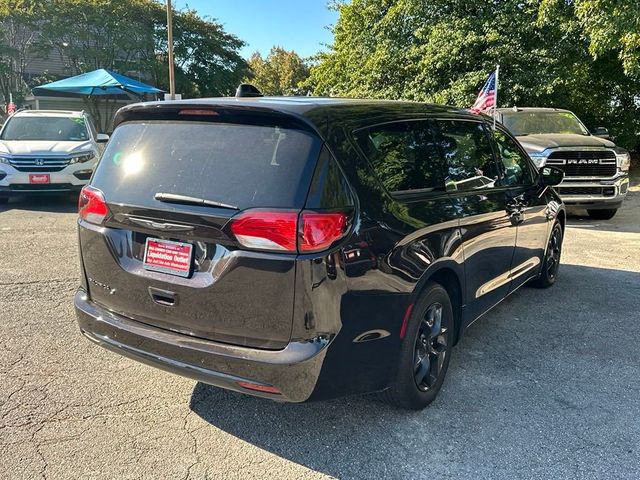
x=247 y=90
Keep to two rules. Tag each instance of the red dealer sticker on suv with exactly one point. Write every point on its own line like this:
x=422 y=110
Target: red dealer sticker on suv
x=38 y=178
x=168 y=257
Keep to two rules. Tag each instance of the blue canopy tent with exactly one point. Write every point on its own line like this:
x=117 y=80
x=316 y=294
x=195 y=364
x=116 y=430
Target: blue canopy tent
x=98 y=82
x=109 y=87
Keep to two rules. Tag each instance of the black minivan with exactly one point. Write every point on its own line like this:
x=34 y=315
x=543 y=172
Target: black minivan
x=305 y=248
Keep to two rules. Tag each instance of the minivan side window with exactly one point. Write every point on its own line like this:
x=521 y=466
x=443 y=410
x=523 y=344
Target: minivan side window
x=470 y=164
x=404 y=156
x=516 y=168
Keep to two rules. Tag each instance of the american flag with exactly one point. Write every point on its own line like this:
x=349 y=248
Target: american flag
x=487 y=96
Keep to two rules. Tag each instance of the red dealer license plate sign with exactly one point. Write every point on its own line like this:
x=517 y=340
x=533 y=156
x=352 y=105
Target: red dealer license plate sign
x=168 y=257
x=39 y=178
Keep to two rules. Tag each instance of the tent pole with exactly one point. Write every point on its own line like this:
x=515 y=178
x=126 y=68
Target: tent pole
x=172 y=85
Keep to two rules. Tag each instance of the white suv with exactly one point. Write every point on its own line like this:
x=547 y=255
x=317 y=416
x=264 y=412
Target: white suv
x=47 y=151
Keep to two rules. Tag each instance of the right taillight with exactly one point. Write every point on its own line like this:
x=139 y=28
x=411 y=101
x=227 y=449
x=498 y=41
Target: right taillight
x=284 y=231
x=91 y=205
x=320 y=230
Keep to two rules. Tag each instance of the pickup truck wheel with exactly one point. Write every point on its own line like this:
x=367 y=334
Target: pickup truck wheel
x=425 y=353
x=551 y=263
x=602 y=214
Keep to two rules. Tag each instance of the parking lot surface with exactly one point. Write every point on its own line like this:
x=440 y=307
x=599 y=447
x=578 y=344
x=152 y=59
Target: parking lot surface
x=544 y=386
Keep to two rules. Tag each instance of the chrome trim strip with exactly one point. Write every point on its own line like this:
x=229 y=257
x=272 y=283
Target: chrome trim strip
x=506 y=277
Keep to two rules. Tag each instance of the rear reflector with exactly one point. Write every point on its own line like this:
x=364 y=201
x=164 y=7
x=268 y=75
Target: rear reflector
x=91 y=205
x=287 y=231
x=405 y=321
x=259 y=388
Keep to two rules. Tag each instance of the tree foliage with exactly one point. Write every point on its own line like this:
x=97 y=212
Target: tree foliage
x=282 y=72
x=128 y=36
x=443 y=50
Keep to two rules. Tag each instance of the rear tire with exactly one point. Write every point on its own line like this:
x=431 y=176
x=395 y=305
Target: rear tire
x=602 y=214
x=425 y=353
x=551 y=263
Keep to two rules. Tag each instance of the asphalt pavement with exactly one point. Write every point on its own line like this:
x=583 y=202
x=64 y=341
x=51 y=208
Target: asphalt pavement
x=544 y=386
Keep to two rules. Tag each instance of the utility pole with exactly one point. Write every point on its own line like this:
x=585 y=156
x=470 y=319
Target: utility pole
x=172 y=81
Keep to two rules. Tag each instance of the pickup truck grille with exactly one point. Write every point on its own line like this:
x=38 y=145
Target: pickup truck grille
x=605 y=191
x=585 y=163
x=39 y=164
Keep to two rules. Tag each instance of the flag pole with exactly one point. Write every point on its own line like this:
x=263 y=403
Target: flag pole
x=172 y=80
x=495 y=102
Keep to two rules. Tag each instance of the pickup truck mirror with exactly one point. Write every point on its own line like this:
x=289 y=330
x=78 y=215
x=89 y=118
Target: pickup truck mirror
x=551 y=176
x=600 y=132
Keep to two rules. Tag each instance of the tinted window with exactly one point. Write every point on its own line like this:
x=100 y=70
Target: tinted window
x=404 y=156
x=516 y=169
x=242 y=165
x=469 y=158
x=329 y=188
x=60 y=129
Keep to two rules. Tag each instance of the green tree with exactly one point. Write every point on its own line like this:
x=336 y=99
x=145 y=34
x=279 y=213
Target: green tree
x=611 y=26
x=282 y=72
x=128 y=36
x=18 y=44
x=443 y=50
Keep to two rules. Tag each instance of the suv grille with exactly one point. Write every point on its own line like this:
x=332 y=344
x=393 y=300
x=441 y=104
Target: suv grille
x=39 y=164
x=585 y=163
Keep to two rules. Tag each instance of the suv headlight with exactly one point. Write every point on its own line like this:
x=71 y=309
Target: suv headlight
x=4 y=158
x=82 y=157
x=623 y=159
x=539 y=158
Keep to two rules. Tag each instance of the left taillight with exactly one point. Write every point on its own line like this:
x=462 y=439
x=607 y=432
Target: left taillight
x=91 y=205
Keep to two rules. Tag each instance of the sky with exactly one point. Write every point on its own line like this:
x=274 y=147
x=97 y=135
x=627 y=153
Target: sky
x=299 y=25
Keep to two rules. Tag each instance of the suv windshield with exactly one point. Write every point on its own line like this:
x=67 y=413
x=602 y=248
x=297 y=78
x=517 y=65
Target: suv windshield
x=534 y=123
x=60 y=129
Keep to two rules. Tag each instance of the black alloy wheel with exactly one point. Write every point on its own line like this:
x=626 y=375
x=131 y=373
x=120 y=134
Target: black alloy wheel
x=425 y=352
x=430 y=348
x=551 y=264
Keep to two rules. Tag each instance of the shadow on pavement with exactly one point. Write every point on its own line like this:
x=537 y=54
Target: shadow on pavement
x=536 y=374
x=65 y=203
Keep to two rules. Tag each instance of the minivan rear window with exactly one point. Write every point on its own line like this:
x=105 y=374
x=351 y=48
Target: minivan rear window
x=241 y=165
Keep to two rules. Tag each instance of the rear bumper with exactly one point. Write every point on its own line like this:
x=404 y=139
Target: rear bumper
x=294 y=370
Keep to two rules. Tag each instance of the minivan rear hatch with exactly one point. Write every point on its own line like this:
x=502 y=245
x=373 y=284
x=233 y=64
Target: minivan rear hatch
x=164 y=254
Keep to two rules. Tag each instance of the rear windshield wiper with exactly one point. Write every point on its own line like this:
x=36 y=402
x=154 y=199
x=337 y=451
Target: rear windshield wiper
x=187 y=200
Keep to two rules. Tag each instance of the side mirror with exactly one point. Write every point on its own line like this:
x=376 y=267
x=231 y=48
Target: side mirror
x=551 y=176
x=600 y=132
x=102 y=138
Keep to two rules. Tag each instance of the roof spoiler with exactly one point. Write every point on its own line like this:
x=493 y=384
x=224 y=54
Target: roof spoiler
x=247 y=90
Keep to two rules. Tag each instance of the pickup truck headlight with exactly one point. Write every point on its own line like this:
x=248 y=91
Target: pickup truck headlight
x=623 y=159
x=539 y=158
x=4 y=159
x=82 y=157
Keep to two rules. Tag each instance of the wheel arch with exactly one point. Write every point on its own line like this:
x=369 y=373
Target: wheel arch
x=562 y=218
x=448 y=275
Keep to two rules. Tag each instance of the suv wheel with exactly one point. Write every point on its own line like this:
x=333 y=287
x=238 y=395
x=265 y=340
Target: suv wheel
x=551 y=263
x=602 y=214
x=426 y=350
